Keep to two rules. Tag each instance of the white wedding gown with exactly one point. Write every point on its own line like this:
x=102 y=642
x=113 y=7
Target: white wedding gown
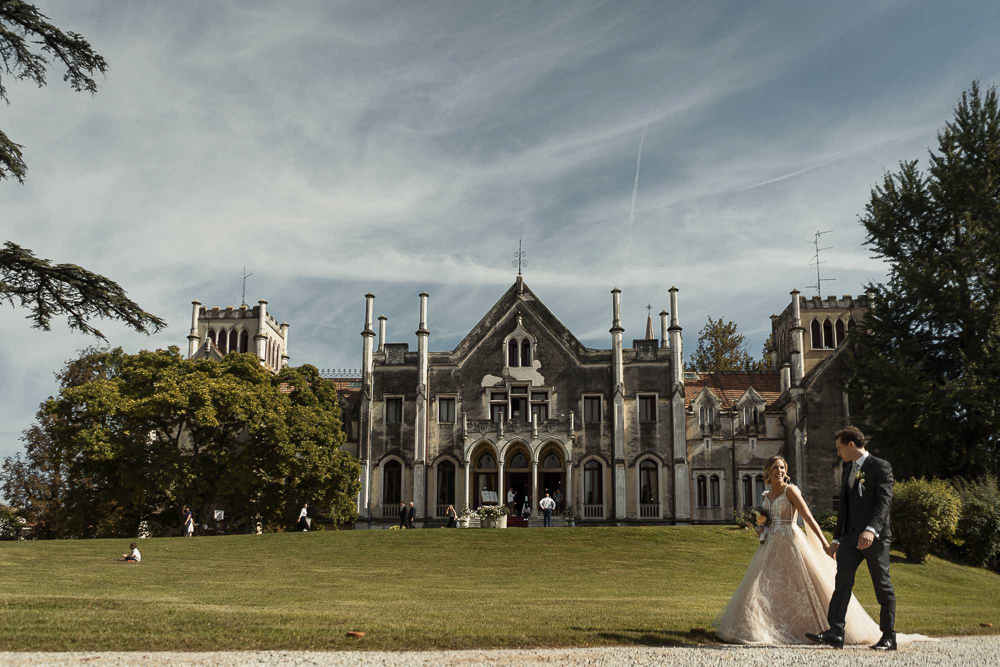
x=787 y=589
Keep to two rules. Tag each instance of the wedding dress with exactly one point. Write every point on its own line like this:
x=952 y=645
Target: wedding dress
x=787 y=589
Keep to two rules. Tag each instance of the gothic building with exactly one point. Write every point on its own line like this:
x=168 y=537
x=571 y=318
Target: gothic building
x=217 y=331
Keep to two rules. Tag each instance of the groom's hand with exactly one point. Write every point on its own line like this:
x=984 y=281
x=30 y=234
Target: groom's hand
x=831 y=550
x=865 y=540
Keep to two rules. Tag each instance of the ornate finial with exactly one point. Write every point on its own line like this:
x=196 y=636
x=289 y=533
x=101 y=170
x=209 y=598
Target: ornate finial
x=519 y=260
x=649 y=309
x=243 y=298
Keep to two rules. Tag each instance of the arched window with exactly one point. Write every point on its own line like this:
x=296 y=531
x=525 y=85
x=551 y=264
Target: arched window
x=746 y=415
x=817 y=335
x=445 y=485
x=711 y=415
x=512 y=353
x=756 y=417
x=702 y=491
x=702 y=416
x=526 y=352
x=758 y=496
x=747 y=491
x=487 y=462
x=222 y=341
x=392 y=483
x=234 y=340
x=519 y=461
x=244 y=341
x=716 y=491
x=648 y=482
x=828 y=334
x=593 y=489
x=211 y=336
x=551 y=461
x=840 y=332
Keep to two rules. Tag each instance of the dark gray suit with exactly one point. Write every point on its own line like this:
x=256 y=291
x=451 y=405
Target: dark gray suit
x=860 y=509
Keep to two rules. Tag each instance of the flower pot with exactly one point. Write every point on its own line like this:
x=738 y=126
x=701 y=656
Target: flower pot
x=503 y=521
x=487 y=522
x=463 y=523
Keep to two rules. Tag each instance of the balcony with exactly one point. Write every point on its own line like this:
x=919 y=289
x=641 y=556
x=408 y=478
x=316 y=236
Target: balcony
x=649 y=510
x=593 y=511
x=556 y=426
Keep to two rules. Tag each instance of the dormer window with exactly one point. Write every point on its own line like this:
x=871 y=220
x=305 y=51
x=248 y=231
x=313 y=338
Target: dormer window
x=512 y=360
x=526 y=352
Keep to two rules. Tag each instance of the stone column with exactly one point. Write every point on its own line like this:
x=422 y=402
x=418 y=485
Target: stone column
x=284 y=344
x=682 y=491
x=501 y=494
x=786 y=376
x=193 y=338
x=534 y=489
x=365 y=428
x=569 y=488
x=798 y=342
x=382 y=319
x=618 y=403
x=664 y=343
x=468 y=482
x=421 y=413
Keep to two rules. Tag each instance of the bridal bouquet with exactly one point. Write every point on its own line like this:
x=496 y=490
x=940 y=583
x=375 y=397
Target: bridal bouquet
x=761 y=519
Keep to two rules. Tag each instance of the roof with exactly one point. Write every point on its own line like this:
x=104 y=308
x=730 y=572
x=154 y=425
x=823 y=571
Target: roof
x=729 y=386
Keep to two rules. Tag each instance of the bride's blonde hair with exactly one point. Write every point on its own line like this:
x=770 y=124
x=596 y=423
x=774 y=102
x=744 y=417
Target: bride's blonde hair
x=773 y=461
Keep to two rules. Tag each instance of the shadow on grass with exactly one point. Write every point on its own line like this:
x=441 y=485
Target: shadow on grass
x=652 y=638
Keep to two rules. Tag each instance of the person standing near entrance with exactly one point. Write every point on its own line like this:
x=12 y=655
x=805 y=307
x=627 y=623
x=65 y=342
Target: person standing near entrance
x=410 y=515
x=559 y=501
x=547 y=506
x=511 y=500
x=402 y=514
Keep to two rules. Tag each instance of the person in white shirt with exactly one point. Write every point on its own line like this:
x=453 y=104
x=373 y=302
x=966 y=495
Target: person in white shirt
x=547 y=505
x=133 y=556
x=511 y=500
x=303 y=522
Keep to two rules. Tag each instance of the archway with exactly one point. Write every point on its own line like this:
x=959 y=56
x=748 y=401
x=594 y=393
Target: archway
x=552 y=476
x=484 y=477
x=517 y=477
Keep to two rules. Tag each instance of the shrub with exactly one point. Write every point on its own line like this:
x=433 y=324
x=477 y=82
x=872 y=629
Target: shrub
x=977 y=537
x=924 y=512
x=9 y=524
x=827 y=521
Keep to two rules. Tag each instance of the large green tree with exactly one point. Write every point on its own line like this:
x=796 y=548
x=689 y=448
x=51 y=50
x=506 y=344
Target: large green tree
x=721 y=347
x=133 y=438
x=928 y=358
x=28 y=42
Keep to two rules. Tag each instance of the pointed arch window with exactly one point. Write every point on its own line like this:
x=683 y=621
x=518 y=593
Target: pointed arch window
x=758 y=483
x=211 y=336
x=512 y=353
x=526 y=352
x=223 y=338
x=716 y=491
x=648 y=482
x=234 y=340
x=840 y=332
x=244 y=341
x=392 y=483
x=446 y=484
x=828 y=334
x=817 y=335
x=702 y=491
x=593 y=489
x=747 y=491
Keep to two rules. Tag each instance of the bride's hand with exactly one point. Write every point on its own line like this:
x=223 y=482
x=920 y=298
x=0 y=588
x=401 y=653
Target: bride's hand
x=831 y=550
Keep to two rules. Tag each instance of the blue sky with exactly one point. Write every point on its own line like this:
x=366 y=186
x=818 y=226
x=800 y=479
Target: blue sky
x=336 y=149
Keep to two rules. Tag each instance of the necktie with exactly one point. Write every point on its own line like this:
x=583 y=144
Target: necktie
x=853 y=476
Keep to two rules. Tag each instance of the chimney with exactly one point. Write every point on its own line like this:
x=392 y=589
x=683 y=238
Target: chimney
x=261 y=338
x=676 y=362
x=368 y=335
x=798 y=343
x=616 y=331
x=381 y=332
x=284 y=344
x=663 y=329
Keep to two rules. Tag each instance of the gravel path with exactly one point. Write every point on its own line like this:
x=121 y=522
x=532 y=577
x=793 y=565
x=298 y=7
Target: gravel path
x=964 y=651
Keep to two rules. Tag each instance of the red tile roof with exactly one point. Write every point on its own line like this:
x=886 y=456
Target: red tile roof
x=729 y=386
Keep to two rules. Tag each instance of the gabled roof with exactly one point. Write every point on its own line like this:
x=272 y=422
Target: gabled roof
x=208 y=351
x=524 y=301
x=729 y=386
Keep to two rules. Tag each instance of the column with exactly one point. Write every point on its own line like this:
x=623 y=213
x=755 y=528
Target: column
x=569 y=489
x=682 y=489
x=501 y=494
x=420 y=423
x=193 y=338
x=534 y=489
x=663 y=329
x=365 y=428
x=468 y=482
x=260 y=338
x=284 y=344
x=618 y=405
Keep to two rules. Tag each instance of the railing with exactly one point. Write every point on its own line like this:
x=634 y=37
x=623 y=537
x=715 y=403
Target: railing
x=390 y=511
x=519 y=426
x=593 y=511
x=441 y=510
x=649 y=510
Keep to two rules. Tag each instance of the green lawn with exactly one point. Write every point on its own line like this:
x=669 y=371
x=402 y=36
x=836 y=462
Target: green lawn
x=419 y=589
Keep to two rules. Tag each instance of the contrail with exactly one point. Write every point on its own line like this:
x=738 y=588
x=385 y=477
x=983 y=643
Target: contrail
x=631 y=212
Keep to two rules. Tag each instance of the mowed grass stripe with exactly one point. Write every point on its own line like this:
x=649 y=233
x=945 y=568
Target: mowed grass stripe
x=419 y=590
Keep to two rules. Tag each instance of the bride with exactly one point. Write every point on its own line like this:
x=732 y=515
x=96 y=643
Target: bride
x=788 y=585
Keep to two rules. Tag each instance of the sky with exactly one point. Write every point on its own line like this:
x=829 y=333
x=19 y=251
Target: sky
x=336 y=149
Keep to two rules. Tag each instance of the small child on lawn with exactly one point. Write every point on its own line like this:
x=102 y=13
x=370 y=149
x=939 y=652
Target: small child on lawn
x=134 y=556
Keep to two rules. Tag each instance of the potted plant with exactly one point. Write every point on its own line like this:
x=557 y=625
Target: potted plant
x=465 y=517
x=493 y=516
x=570 y=514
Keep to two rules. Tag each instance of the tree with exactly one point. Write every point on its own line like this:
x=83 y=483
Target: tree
x=722 y=348
x=133 y=438
x=27 y=42
x=49 y=290
x=927 y=360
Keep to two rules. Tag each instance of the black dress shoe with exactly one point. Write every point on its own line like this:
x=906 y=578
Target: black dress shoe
x=887 y=643
x=828 y=639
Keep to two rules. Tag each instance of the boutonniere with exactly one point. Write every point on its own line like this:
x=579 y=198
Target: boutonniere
x=861 y=483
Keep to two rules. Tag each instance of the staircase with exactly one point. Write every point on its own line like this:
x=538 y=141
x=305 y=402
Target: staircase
x=558 y=521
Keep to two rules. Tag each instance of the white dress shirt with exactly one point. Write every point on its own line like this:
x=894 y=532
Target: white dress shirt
x=547 y=504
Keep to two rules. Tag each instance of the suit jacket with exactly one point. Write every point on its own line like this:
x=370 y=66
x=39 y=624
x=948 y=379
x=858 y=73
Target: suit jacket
x=861 y=508
x=411 y=513
x=402 y=513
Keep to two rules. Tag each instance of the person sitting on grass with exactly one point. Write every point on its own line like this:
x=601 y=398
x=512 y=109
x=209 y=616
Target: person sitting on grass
x=134 y=556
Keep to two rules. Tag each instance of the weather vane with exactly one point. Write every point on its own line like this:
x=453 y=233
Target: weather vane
x=243 y=299
x=519 y=260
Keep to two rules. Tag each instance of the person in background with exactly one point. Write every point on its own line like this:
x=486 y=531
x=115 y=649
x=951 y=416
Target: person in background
x=452 y=517
x=559 y=501
x=402 y=514
x=547 y=505
x=410 y=515
x=188 y=528
x=133 y=555
x=303 y=523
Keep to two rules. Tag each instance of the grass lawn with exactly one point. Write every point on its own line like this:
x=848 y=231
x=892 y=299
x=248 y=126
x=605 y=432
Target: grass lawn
x=419 y=589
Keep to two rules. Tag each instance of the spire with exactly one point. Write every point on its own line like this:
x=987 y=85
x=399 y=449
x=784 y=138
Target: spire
x=649 y=323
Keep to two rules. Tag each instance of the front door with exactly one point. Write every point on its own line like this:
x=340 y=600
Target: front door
x=552 y=482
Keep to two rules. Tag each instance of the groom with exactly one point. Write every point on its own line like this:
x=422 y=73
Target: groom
x=863 y=533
